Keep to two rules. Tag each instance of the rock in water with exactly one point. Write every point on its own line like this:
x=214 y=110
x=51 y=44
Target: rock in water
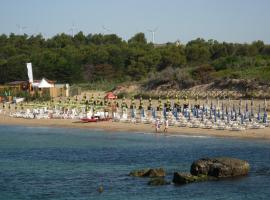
x=185 y=178
x=100 y=189
x=139 y=173
x=220 y=167
x=158 y=172
x=158 y=181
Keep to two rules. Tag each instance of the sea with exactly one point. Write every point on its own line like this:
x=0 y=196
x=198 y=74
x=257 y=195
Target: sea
x=44 y=163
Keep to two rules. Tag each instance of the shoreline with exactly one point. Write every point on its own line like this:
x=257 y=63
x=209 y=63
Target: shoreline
x=135 y=128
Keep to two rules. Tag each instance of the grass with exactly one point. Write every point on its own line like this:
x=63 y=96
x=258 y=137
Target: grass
x=258 y=73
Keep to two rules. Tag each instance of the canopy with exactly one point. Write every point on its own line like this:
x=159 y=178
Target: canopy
x=44 y=84
x=110 y=95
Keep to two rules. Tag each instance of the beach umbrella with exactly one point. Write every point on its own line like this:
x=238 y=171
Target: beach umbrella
x=222 y=106
x=164 y=112
x=251 y=112
x=228 y=118
x=265 y=117
x=206 y=111
x=142 y=113
x=153 y=113
x=132 y=113
x=239 y=110
x=259 y=116
x=202 y=117
x=259 y=113
x=222 y=115
x=246 y=106
x=242 y=119
x=210 y=114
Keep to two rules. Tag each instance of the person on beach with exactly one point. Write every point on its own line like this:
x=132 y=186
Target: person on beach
x=166 y=123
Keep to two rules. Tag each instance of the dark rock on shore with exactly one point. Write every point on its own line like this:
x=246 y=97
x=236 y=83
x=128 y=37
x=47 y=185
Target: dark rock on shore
x=158 y=172
x=158 y=181
x=185 y=178
x=220 y=167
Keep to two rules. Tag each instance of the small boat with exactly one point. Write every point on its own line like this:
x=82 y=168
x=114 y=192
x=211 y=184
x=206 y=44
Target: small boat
x=89 y=119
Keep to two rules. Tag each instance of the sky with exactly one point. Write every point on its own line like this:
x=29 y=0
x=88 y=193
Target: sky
x=240 y=21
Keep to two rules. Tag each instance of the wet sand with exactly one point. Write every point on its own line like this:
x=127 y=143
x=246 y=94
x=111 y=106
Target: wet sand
x=137 y=128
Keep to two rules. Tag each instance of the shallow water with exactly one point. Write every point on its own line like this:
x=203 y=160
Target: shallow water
x=54 y=163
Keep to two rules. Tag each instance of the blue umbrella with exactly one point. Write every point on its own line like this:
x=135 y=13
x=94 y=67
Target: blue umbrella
x=228 y=118
x=218 y=113
x=264 y=117
x=251 y=112
x=153 y=113
x=242 y=119
x=132 y=113
x=142 y=113
x=164 y=112
x=202 y=117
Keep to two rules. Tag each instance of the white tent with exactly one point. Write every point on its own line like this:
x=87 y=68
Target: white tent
x=44 y=84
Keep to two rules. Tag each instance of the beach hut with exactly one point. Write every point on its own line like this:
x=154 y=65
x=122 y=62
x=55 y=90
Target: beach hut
x=110 y=96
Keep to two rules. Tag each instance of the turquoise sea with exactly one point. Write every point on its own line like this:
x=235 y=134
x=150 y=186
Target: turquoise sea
x=54 y=163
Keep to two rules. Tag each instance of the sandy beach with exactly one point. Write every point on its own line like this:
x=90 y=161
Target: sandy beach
x=137 y=128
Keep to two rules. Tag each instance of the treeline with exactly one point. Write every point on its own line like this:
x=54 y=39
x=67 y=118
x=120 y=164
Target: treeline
x=97 y=57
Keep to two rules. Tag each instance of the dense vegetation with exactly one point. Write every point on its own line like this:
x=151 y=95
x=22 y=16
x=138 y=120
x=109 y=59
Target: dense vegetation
x=97 y=58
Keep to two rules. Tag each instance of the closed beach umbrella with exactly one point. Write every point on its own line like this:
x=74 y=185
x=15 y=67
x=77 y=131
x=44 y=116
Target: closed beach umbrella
x=242 y=119
x=132 y=113
x=264 y=117
x=142 y=113
x=164 y=112
x=153 y=113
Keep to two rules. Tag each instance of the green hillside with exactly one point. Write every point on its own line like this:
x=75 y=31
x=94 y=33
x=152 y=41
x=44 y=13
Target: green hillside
x=97 y=58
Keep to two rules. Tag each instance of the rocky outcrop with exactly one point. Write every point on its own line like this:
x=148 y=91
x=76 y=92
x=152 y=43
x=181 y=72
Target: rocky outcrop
x=220 y=167
x=212 y=169
x=185 y=178
x=158 y=172
x=158 y=181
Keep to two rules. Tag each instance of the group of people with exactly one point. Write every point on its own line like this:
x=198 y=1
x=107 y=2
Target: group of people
x=158 y=124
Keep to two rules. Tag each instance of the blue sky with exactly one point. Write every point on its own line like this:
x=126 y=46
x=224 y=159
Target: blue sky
x=223 y=20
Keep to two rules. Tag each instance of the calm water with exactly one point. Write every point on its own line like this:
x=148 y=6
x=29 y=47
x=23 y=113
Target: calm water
x=52 y=163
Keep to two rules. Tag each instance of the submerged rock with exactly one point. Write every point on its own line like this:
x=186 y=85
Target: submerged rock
x=158 y=181
x=100 y=189
x=158 y=172
x=185 y=178
x=220 y=167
